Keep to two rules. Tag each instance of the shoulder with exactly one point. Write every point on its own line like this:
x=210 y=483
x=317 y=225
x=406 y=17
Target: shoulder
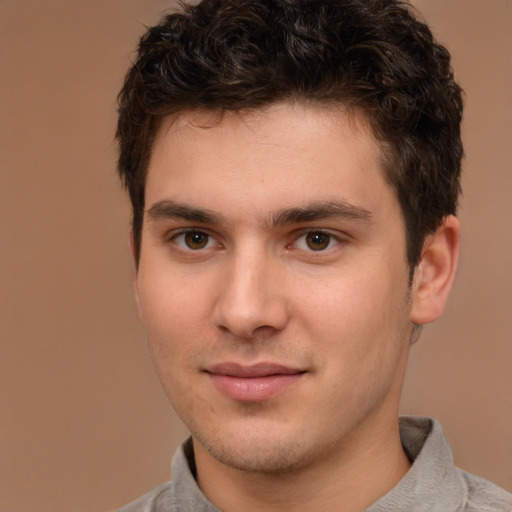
x=484 y=496
x=159 y=499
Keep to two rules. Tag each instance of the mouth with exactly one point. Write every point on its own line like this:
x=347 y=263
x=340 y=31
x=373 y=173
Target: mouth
x=254 y=383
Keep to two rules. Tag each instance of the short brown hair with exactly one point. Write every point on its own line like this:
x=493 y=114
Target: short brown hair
x=374 y=55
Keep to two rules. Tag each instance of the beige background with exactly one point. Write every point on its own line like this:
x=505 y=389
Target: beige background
x=84 y=425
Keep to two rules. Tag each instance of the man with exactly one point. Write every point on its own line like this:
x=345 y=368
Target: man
x=294 y=169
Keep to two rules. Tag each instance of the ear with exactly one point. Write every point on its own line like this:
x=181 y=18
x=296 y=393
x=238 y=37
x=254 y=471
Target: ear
x=135 y=276
x=434 y=275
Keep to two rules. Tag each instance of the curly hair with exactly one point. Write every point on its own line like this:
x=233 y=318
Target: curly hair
x=374 y=55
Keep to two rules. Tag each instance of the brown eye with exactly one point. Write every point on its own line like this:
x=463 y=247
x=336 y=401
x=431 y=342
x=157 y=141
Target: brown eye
x=318 y=241
x=196 y=240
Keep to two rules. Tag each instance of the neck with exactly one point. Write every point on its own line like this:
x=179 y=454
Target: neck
x=355 y=475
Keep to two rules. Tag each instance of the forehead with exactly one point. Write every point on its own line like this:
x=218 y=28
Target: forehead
x=294 y=152
x=276 y=122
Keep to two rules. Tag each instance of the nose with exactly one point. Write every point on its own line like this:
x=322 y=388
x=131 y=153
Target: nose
x=251 y=300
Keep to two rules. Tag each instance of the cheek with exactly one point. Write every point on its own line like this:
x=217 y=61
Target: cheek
x=357 y=321
x=349 y=303
x=174 y=317
x=172 y=301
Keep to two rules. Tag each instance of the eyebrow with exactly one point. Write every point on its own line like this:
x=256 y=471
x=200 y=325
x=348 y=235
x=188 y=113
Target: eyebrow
x=168 y=209
x=321 y=210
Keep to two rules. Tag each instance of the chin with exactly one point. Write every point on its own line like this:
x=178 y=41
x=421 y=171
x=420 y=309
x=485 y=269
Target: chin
x=269 y=455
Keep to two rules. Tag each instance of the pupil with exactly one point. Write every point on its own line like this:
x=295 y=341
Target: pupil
x=318 y=241
x=196 y=240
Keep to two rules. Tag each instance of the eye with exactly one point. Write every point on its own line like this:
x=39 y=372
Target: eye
x=194 y=240
x=316 y=241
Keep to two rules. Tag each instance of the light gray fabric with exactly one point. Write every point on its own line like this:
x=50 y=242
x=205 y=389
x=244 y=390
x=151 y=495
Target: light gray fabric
x=433 y=484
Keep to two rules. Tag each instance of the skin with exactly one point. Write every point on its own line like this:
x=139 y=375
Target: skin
x=272 y=237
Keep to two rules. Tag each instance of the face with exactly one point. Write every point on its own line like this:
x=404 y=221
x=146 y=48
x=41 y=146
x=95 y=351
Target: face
x=273 y=284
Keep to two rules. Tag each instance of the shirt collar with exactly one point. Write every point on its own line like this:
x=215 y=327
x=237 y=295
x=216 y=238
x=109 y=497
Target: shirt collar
x=432 y=483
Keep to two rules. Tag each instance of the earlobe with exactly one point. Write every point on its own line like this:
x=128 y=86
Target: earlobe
x=434 y=275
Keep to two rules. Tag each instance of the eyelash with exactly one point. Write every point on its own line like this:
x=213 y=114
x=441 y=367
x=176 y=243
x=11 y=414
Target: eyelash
x=183 y=233
x=332 y=241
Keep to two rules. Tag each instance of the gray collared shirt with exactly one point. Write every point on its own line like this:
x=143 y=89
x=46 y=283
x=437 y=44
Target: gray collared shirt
x=433 y=484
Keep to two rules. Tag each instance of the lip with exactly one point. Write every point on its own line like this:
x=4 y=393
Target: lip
x=253 y=383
